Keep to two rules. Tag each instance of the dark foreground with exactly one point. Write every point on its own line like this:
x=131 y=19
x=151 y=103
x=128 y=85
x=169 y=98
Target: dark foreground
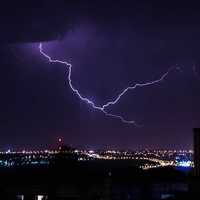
x=95 y=180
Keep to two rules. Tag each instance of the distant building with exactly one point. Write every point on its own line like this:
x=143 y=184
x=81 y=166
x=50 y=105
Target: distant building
x=196 y=151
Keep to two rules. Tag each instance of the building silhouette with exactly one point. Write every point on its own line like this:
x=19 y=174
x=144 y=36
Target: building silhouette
x=196 y=141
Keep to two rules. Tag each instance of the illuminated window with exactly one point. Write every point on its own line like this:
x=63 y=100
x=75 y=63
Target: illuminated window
x=20 y=197
x=41 y=197
x=166 y=196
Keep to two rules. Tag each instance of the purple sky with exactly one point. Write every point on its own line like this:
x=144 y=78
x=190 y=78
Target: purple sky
x=110 y=47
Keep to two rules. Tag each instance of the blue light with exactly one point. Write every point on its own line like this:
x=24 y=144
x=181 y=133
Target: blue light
x=184 y=163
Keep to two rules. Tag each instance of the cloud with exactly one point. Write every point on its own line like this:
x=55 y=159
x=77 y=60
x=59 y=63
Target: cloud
x=32 y=21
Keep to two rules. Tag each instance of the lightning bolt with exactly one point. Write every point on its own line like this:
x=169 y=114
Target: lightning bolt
x=109 y=103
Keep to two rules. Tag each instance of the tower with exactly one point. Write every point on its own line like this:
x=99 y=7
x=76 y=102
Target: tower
x=196 y=132
x=60 y=143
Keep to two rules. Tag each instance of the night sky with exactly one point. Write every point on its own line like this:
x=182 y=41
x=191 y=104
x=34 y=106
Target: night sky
x=110 y=45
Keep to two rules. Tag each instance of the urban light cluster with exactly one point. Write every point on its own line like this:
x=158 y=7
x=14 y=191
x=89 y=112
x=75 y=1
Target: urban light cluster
x=145 y=159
